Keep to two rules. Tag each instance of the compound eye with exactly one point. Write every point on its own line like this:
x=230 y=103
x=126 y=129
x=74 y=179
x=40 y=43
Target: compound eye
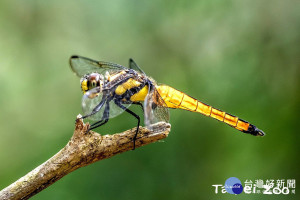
x=93 y=84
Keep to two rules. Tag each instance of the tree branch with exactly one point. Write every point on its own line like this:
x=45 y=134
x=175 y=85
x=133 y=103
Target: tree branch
x=81 y=150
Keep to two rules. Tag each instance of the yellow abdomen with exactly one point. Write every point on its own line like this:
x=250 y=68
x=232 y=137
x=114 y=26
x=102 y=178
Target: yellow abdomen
x=177 y=99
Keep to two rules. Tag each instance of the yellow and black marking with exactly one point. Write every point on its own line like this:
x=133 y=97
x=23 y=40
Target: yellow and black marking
x=129 y=84
x=121 y=88
x=132 y=90
x=177 y=99
x=84 y=86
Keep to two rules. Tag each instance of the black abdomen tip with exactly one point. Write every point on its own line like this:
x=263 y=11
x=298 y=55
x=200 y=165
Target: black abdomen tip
x=253 y=130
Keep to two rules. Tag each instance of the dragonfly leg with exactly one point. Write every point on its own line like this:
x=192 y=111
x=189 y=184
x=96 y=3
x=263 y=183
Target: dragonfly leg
x=140 y=104
x=118 y=103
x=104 y=119
x=97 y=124
x=96 y=109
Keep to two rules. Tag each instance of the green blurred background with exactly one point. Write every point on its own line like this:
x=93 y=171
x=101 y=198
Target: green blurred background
x=238 y=56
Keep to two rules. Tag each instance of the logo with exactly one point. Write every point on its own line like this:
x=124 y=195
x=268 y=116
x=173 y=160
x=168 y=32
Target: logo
x=259 y=186
x=233 y=186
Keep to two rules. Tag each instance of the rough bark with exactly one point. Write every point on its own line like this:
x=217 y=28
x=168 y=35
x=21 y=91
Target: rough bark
x=81 y=150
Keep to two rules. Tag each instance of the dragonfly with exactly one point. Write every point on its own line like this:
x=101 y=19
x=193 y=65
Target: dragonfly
x=109 y=89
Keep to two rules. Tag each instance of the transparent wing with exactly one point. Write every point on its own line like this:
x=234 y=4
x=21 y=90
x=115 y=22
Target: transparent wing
x=155 y=109
x=95 y=100
x=81 y=66
x=134 y=66
x=115 y=110
x=90 y=100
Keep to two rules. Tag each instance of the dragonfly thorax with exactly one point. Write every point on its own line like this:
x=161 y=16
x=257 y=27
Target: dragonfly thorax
x=90 y=81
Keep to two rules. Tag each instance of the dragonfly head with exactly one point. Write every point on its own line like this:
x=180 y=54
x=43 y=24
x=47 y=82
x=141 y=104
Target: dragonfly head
x=90 y=81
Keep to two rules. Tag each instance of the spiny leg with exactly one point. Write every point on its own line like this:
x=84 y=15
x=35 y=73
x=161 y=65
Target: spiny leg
x=96 y=124
x=104 y=119
x=118 y=103
x=140 y=104
x=96 y=109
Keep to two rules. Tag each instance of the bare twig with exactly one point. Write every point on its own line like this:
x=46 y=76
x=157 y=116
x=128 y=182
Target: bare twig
x=82 y=149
